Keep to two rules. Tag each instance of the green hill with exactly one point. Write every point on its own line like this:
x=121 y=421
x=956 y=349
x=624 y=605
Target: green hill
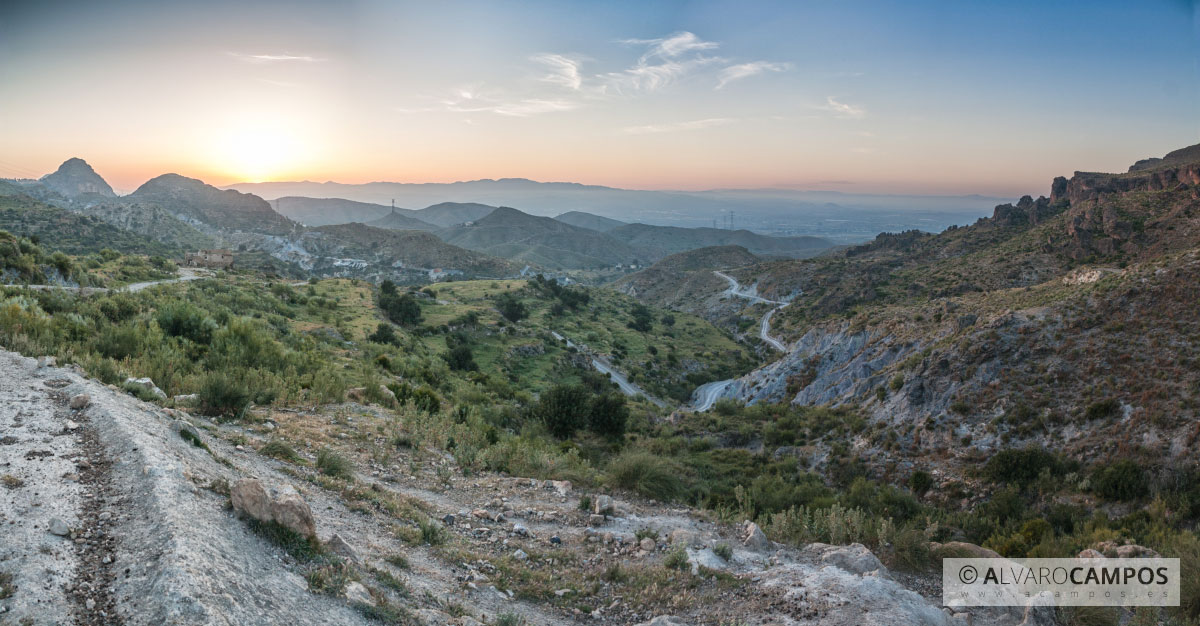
x=221 y=209
x=72 y=232
x=660 y=241
x=589 y=220
x=511 y=234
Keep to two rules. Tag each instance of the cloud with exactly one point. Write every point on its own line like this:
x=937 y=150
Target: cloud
x=673 y=45
x=564 y=71
x=275 y=58
x=469 y=101
x=679 y=126
x=746 y=70
x=841 y=109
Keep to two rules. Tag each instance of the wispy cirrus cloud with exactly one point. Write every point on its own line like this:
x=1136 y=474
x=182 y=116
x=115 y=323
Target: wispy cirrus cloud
x=842 y=109
x=563 y=70
x=561 y=83
x=469 y=101
x=746 y=70
x=679 y=126
x=275 y=58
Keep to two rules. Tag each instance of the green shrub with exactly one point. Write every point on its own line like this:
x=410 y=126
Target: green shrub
x=184 y=319
x=608 y=415
x=563 y=409
x=723 y=550
x=1021 y=466
x=279 y=449
x=1102 y=409
x=432 y=532
x=332 y=463
x=222 y=395
x=1123 y=480
x=511 y=307
x=509 y=619
x=648 y=474
x=676 y=558
x=920 y=482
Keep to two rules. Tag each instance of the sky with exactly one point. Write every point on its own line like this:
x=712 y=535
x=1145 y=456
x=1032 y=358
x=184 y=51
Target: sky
x=949 y=97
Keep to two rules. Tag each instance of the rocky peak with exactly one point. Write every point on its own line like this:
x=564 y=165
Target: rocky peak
x=75 y=177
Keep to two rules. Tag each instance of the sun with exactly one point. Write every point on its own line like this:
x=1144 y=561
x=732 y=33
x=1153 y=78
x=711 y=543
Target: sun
x=256 y=153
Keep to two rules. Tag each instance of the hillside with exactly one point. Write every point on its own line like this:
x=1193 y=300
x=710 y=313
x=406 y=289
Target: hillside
x=511 y=234
x=396 y=220
x=151 y=221
x=446 y=214
x=341 y=245
x=661 y=241
x=72 y=232
x=1057 y=322
x=215 y=208
x=589 y=220
x=684 y=281
x=325 y=211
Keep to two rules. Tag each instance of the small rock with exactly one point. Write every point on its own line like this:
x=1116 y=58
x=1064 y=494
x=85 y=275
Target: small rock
x=59 y=527
x=602 y=505
x=520 y=555
x=71 y=425
x=448 y=520
x=520 y=529
x=556 y=540
x=47 y=361
x=647 y=544
x=595 y=520
x=356 y=593
x=754 y=538
x=80 y=401
x=90 y=604
x=665 y=620
x=146 y=384
x=342 y=548
x=481 y=514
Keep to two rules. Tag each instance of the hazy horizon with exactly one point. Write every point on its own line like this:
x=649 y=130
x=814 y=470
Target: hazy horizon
x=931 y=98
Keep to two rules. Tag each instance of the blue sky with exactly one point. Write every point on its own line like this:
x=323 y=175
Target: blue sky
x=941 y=97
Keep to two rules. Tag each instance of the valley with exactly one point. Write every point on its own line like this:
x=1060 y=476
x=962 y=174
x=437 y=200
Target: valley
x=479 y=433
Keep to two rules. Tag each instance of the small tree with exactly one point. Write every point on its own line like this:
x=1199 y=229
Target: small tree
x=511 y=307
x=384 y=333
x=563 y=409
x=608 y=415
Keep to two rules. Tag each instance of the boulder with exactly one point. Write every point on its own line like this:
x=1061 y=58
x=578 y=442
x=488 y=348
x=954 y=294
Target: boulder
x=80 y=401
x=754 y=538
x=292 y=512
x=289 y=510
x=147 y=385
x=854 y=558
x=602 y=505
x=250 y=498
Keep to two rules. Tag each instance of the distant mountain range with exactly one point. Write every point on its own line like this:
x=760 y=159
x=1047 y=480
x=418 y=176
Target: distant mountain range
x=842 y=217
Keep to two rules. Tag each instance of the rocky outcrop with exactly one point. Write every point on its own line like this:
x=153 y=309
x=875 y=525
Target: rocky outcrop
x=76 y=178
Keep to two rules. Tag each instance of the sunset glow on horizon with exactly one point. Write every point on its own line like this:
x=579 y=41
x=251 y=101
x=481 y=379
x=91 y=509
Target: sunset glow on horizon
x=921 y=98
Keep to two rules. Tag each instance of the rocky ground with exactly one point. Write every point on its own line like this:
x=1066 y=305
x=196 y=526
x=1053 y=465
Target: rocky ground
x=114 y=511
